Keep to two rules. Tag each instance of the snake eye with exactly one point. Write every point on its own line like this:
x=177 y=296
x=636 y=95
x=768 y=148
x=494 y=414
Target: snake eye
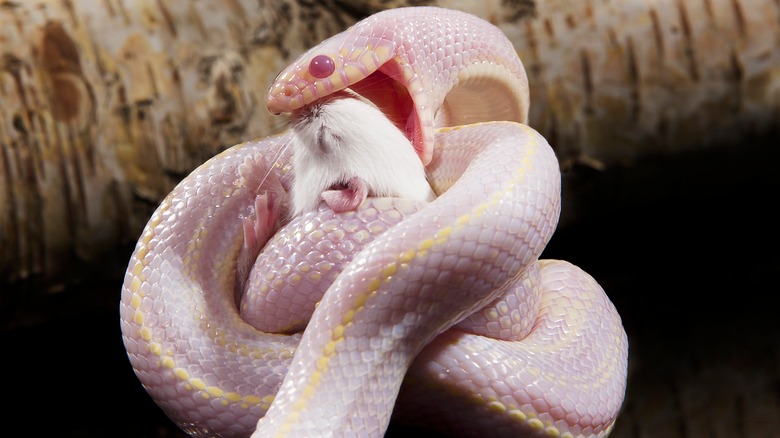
x=321 y=66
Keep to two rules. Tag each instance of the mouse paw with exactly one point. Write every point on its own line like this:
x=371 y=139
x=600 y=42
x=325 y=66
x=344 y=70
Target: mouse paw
x=258 y=228
x=346 y=198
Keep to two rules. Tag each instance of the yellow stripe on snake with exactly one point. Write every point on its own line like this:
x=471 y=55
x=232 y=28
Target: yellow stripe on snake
x=438 y=313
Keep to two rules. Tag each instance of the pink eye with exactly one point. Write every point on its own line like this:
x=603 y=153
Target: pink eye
x=321 y=66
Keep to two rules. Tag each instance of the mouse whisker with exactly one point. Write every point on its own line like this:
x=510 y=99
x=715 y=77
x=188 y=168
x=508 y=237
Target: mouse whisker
x=274 y=161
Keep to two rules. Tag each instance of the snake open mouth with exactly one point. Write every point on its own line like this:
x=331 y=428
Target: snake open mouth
x=394 y=100
x=482 y=93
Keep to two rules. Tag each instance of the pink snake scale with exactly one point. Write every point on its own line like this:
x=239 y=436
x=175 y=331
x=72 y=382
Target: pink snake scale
x=438 y=314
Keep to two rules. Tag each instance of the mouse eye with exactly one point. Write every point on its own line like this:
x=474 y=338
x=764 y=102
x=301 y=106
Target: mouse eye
x=321 y=66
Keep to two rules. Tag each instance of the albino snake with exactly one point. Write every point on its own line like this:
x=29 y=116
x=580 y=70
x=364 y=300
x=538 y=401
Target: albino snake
x=447 y=297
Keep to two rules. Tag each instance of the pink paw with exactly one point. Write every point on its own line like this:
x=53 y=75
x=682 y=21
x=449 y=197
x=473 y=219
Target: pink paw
x=260 y=222
x=347 y=198
x=258 y=228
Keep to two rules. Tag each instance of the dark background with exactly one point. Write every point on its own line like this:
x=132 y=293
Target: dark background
x=684 y=245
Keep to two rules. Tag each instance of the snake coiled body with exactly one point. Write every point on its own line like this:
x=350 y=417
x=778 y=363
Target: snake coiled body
x=448 y=297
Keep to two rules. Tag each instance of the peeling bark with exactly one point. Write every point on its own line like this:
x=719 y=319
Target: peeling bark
x=612 y=82
x=106 y=105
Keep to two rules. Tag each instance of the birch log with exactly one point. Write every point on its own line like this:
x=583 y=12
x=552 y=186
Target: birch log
x=106 y=105
x=612 y=82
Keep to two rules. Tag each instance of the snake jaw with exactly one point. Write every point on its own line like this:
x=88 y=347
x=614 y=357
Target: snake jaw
x=371 y=66
x=350 y=61
x=487 y=87
x=385 y=87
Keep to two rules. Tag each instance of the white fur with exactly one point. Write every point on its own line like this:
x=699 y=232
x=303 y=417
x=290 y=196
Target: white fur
x=344 y=137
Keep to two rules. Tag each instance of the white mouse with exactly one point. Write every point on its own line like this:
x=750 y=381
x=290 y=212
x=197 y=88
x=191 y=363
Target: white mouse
x=344 y=149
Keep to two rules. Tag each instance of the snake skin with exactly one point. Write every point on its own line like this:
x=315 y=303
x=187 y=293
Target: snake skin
x=439 y=314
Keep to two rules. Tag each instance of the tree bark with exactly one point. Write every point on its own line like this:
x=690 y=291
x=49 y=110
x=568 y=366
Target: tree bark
x=612 y=82
x=106 y=105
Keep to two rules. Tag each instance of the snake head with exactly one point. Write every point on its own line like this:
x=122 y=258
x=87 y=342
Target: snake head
x=423 y=67
x=368 y=61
